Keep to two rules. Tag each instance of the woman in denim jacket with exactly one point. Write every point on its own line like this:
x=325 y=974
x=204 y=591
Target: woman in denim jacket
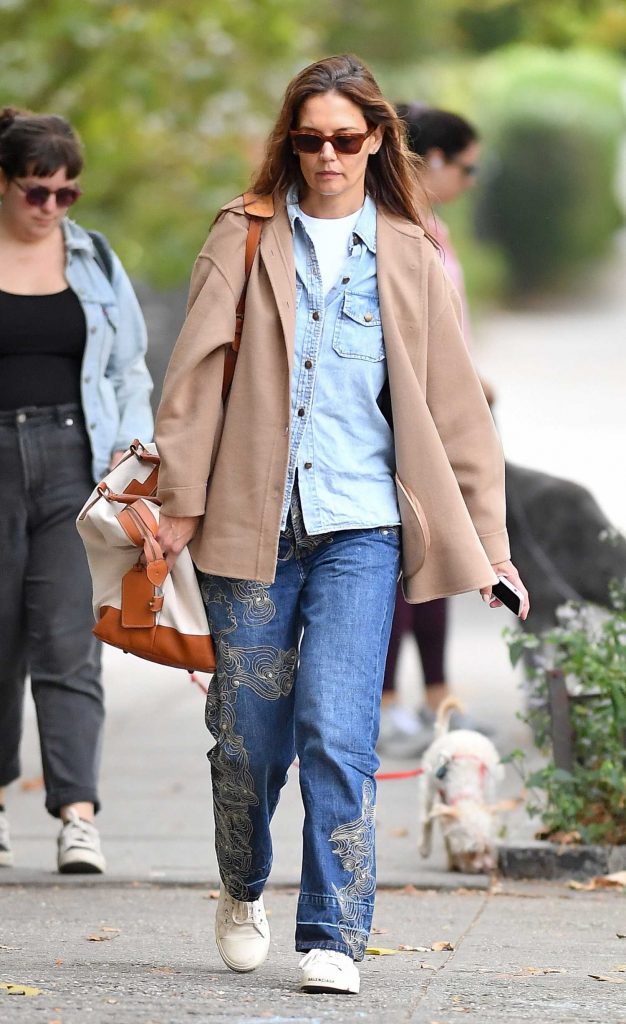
x=74 y=391
x=355 y=440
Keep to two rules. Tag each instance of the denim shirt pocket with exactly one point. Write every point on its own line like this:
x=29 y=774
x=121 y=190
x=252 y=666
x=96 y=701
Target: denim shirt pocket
x=358 y=331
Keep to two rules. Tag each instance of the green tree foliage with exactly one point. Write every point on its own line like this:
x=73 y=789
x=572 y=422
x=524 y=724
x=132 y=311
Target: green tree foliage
x=408 y=30
x=171 y=100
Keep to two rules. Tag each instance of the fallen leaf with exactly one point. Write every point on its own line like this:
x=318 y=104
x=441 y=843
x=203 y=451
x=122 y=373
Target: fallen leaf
x=164 y=970
x=379 y=951
x=30 y=785
x=100 y=938
x=415 y=949
x=543 y=970
x=620 y=935
x=105 y=929
x=428 y=967
x=409 y=890
x=620 y=968
x=380 y=931
x=213 y=894
x=15 y=949
x=111 y=1002
x=441 y=947
x=19 y=990
x=57 y=963
x=615 y=881
x=606 y=977
x=398 y=833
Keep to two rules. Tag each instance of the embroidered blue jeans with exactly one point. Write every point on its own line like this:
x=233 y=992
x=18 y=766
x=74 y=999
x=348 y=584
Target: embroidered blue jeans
x=300 y=666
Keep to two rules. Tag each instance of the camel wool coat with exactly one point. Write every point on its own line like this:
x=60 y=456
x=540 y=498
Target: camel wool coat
x=229 y=465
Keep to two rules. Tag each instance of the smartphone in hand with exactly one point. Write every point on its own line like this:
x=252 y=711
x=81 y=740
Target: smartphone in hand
x=510 y=596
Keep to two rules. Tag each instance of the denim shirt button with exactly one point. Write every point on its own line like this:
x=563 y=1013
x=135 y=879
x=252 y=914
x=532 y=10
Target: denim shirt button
x=86 y=379
x=368 y=317
x=308 y=465
x=93 y=329
x=301 y=412
x=345 y=280
x=316 y=315
x=308 y=364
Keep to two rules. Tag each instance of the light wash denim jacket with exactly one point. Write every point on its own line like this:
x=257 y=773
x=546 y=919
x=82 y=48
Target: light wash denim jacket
x=341 y=445
x=115 y=384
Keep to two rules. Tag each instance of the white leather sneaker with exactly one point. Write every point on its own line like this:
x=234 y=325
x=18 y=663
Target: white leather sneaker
x=6 y=853
x=79 y=847
x=241 y=932
x=326 y=970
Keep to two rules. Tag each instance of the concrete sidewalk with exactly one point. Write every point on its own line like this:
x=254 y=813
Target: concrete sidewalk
x=145 y=955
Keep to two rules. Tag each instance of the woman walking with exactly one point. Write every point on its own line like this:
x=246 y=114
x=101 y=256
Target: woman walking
x=74 y=391
x=355 y=441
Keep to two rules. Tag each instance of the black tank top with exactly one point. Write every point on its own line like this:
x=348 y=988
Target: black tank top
x=42 y=341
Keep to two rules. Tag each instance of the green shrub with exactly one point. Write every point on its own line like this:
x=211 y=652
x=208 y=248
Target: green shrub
x=590 y=799
x=552 y=122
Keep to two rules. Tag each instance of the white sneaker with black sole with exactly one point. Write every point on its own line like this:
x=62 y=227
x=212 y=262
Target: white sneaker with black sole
x=79 y=850
x=326 y=970
x=6 y=853
x=242 y=933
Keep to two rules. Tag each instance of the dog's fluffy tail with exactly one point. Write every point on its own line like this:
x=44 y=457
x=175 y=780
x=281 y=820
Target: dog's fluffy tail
x=442 y=722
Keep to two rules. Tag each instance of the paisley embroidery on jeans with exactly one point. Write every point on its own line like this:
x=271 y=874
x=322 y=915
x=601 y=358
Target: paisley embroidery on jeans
x=270 y=673
x=355 y=847
x=259 y=609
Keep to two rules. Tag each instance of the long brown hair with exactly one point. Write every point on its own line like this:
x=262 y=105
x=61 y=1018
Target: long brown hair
x=392 y=177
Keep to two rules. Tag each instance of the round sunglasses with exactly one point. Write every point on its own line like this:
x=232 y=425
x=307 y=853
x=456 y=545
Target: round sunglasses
x=38 y=195
x=308 y=140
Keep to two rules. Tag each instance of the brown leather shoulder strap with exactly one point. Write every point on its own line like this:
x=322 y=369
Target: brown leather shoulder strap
x=258 y=209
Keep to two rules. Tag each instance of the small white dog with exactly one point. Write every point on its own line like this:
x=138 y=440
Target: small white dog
x=458 y=783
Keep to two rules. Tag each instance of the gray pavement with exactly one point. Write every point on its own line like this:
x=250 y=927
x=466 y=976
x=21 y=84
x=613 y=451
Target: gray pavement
x=145 y=955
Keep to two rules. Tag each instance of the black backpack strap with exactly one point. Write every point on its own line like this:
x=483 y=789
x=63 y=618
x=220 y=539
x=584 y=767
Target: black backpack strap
x=103 y=254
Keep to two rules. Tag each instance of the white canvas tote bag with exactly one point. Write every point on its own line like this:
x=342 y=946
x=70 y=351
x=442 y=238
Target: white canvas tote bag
x=138 y=604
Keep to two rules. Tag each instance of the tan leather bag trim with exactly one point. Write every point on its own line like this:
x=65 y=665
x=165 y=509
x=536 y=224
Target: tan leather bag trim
x=160 y=644
x=137 y=594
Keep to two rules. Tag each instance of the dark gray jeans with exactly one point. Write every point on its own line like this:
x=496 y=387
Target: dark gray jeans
x=45 y=602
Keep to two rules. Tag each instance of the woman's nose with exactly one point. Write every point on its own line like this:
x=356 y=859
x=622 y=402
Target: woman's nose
x=327 y=152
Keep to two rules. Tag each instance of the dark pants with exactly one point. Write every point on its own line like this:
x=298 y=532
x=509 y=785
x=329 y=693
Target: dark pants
x=45 y=607
x=427 y=622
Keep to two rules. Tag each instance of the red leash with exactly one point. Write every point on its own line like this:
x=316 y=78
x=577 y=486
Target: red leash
x=384 y=776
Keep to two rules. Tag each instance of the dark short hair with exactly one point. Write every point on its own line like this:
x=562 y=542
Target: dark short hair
x=429 y=128
x=38 y=144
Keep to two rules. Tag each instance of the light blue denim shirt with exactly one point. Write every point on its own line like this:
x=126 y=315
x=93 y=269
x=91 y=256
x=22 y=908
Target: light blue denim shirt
x=341 y=446
x=115 y=384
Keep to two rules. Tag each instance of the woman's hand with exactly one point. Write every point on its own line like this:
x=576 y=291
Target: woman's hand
x=507 y=569
x=174 y=534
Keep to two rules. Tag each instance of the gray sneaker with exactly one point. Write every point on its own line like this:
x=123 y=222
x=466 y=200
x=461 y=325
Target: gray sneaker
x=6 y=853
x=79 y=847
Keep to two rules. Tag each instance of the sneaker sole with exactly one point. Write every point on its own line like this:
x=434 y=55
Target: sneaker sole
x=78 y=864
x=315 y=987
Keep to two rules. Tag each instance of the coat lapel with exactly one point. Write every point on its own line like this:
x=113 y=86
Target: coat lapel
x=278 y=260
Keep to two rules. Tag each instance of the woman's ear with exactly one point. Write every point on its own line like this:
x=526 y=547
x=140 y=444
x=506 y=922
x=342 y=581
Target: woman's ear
x=4 y=182
x=377 y=137
x=435 y=159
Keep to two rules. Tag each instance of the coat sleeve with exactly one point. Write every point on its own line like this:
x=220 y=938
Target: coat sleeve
x=189 y=418
x=126 y=367
x=463 y=418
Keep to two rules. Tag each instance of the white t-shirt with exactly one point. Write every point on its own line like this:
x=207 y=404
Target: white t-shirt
x=331 y=239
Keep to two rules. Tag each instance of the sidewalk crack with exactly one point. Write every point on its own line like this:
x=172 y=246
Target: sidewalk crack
x=457 y=945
